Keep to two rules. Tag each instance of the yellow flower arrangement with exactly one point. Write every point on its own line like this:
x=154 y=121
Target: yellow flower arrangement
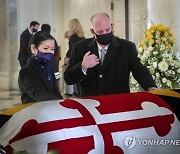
x=157 y=53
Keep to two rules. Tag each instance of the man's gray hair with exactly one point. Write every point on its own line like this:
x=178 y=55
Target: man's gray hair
x=98 y=14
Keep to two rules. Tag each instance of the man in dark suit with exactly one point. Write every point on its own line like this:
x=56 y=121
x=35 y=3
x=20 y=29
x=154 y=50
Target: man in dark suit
x=109 y=74
x=24 y=42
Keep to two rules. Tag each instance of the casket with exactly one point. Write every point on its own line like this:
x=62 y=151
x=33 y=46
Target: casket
x=133 y=123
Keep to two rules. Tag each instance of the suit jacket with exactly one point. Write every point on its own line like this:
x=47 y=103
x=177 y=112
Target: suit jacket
x=113 y=76
x=24 y=52
x=34 y=85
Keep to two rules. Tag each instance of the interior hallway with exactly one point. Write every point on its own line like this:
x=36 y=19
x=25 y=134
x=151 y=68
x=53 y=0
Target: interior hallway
x=130 y=19
x=16 y=15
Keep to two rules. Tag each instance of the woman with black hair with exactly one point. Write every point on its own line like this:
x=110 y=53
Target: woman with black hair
x=36 y=79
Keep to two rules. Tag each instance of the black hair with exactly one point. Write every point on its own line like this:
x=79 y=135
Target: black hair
x=39 y=37
x=34 y=23
x=46 y=28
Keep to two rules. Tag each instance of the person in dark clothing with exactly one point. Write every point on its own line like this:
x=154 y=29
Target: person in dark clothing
x=26 y=35
x=74 y=34
x=102 y=64
x=36 y=79
x=53 y=64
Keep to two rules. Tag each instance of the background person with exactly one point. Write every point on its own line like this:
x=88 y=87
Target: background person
x=36 y=79
x=110 y=76
x=54 y=63
x=25 y=37
x=74 y=34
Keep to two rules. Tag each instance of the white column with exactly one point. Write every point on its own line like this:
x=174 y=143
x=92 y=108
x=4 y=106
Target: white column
x=166 y=12
x=137 y=24
x=161 y=12
x=8 y=43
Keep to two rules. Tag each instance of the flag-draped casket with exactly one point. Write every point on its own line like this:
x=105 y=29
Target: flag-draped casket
x=136 y=123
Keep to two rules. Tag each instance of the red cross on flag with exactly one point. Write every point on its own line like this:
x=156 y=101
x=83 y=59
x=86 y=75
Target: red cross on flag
x=133 y=123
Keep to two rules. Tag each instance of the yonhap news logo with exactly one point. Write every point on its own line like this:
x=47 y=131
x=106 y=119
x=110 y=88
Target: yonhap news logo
x=131 y=142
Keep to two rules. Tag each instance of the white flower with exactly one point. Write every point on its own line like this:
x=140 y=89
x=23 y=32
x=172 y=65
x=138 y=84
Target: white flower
x=172 y=63
x=140 y=49
x=155 y=64
x=155 y=53
x=157 y=75
x=169 y=84
x=150 y=48
x=133 y=81
x=170 y=57
x=144 y=56
x=171 y=72
x=164 y=80
x=162 y=47
x=163 y=66
x=178 y=71
x=153 y=77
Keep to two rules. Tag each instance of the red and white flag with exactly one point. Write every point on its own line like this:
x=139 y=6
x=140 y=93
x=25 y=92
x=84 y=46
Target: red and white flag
x=133 y=123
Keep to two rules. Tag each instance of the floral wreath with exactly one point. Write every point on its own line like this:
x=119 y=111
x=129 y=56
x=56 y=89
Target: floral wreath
x=157 y=52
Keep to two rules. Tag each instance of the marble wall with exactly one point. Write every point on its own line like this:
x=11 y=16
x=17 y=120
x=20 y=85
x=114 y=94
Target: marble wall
x=3 y=38
x=8 y=44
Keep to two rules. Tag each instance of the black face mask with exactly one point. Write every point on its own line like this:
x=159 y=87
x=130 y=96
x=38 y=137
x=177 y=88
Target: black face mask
x=104 y=39
x=34 y=30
